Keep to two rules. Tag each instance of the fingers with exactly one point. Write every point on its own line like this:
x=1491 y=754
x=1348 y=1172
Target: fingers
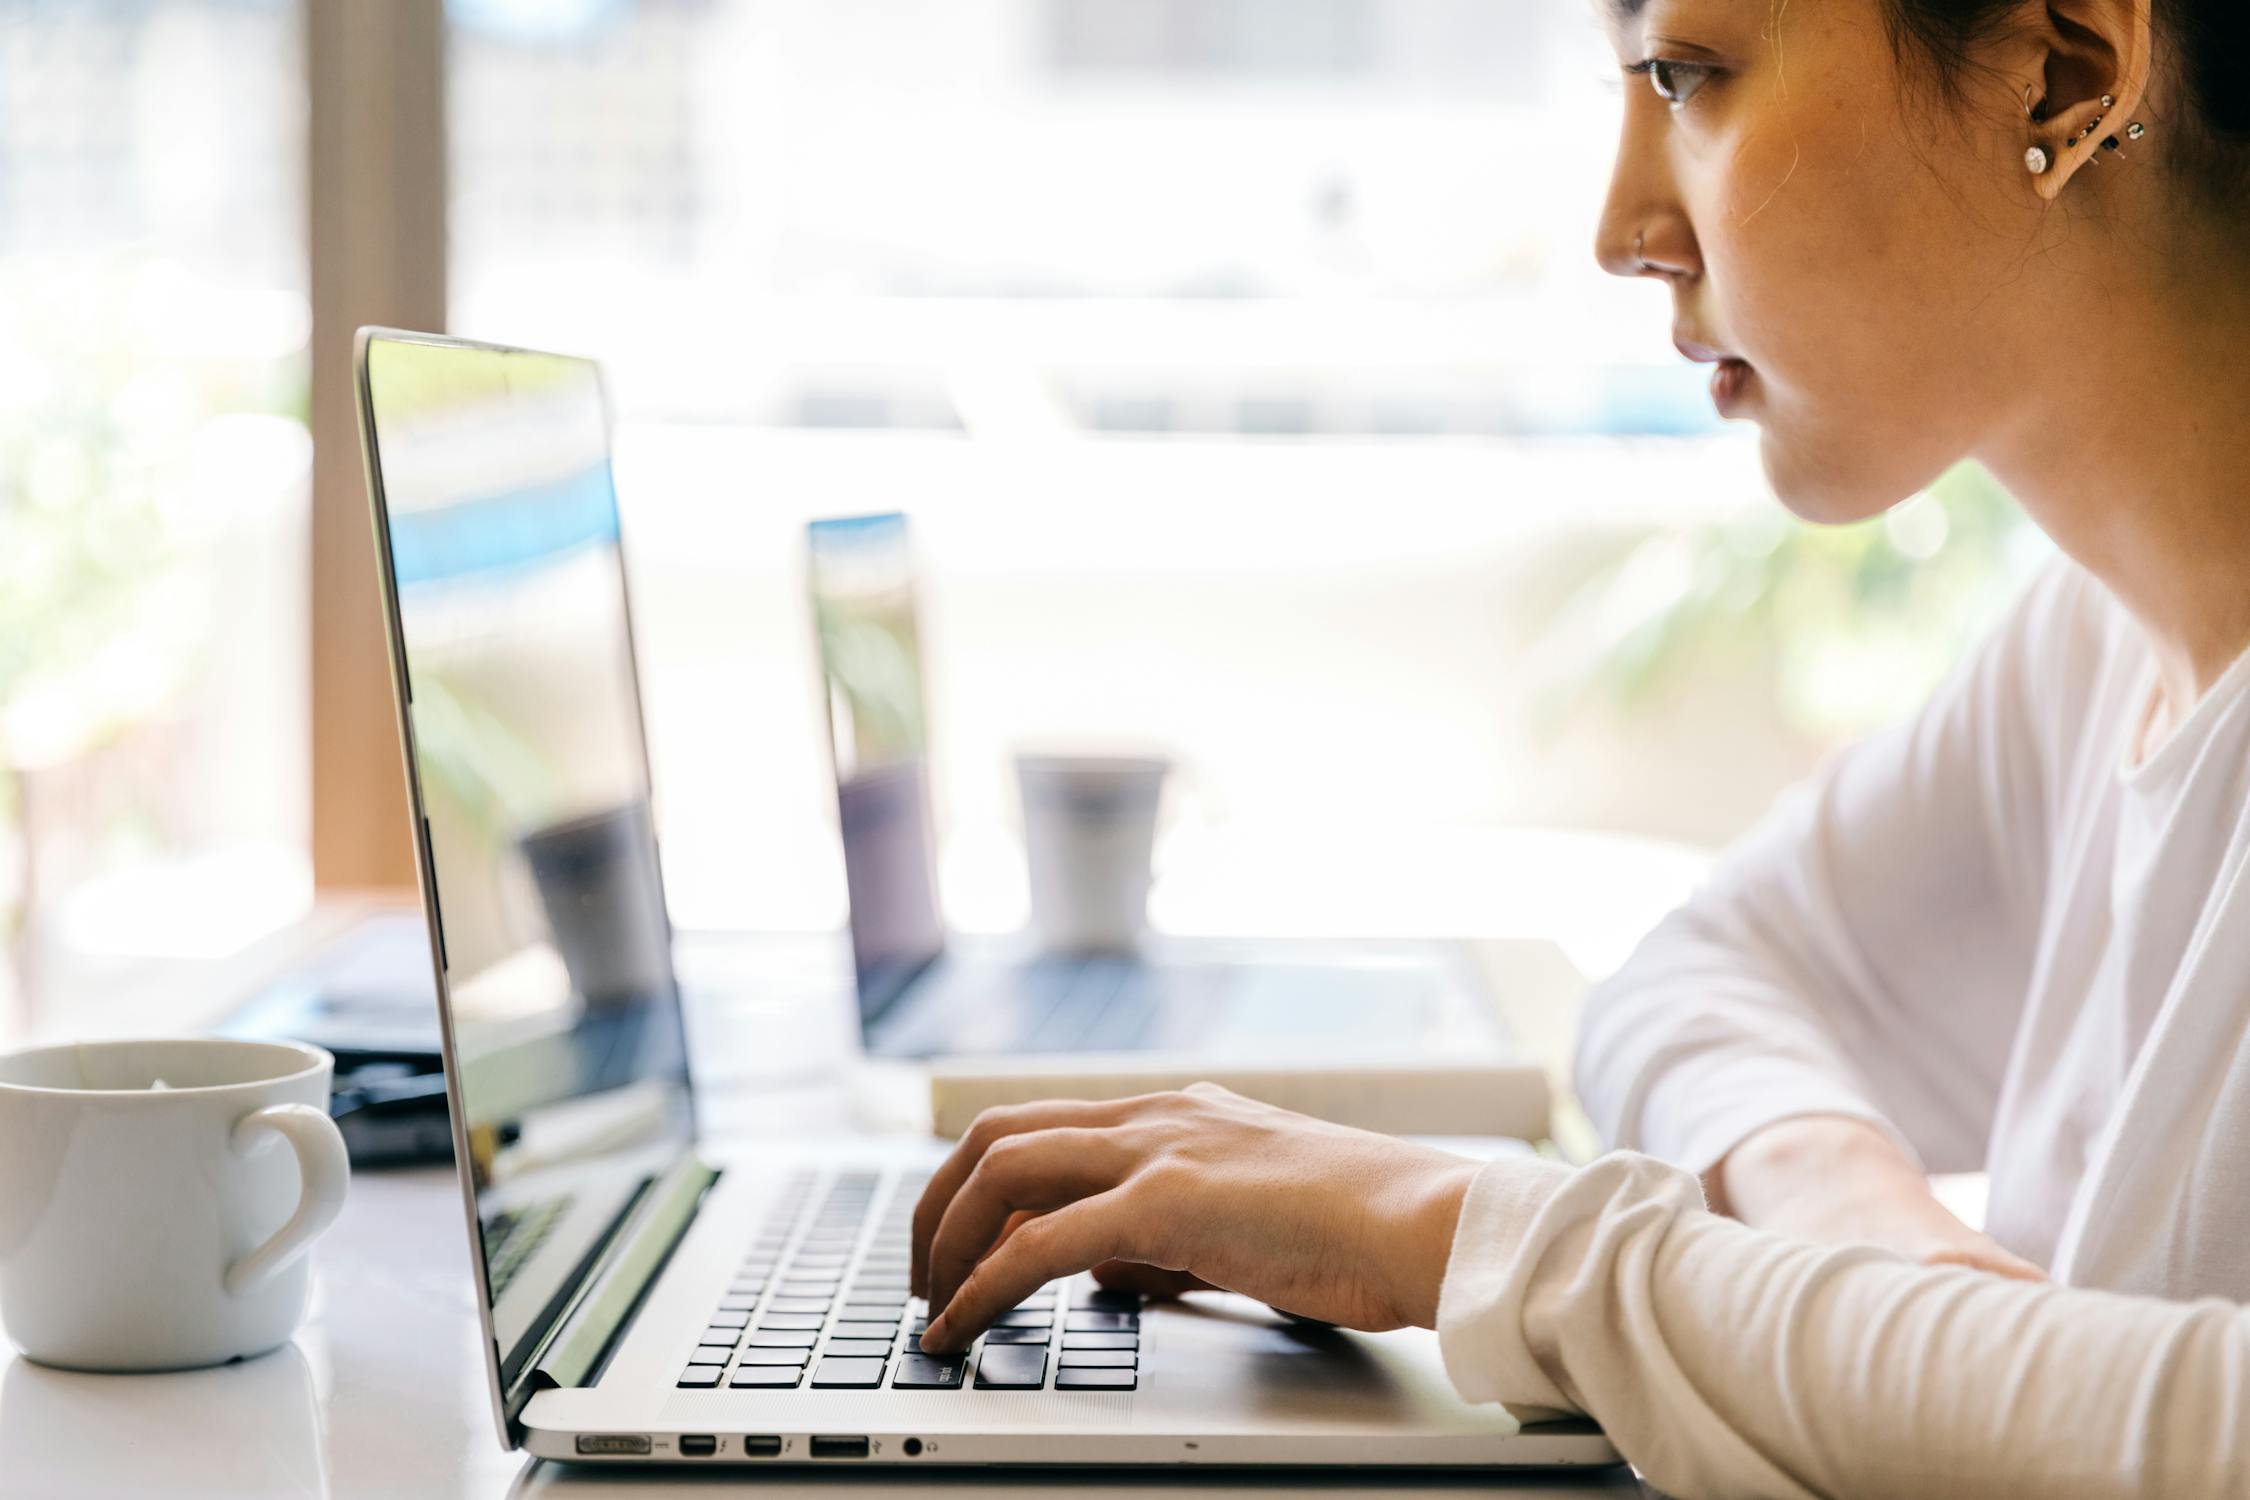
x=1148 y=1281
x=1069 y=1240
x=990 y=1127
x=1030 y=1173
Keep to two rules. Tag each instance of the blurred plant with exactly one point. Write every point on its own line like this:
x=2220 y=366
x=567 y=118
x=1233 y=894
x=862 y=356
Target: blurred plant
x=105 y=392
x=1856 y=624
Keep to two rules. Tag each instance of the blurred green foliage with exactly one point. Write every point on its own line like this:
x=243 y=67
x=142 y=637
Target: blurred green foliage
x=1855 y=624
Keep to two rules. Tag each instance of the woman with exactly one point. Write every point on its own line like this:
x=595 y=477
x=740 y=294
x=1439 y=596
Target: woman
x=2013 y=933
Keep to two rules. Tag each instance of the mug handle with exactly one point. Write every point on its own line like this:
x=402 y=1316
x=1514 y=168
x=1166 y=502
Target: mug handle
x=323 y=1168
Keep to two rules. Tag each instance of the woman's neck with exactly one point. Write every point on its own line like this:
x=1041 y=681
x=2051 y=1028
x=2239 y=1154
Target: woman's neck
x=2134 y=454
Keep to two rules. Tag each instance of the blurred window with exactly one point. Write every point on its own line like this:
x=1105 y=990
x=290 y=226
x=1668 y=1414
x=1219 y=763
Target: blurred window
x=1247 y=373
x=153 y=471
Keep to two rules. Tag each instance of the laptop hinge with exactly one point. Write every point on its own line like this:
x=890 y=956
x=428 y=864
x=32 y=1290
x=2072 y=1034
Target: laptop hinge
x=582 y=1343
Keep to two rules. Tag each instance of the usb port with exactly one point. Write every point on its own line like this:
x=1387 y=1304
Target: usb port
x=762 y=1447
x=621 y=1443
x=698 y=1444
x=839 y=1447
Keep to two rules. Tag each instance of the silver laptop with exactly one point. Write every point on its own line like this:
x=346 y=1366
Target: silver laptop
x=643 y=1300
x=926 y=993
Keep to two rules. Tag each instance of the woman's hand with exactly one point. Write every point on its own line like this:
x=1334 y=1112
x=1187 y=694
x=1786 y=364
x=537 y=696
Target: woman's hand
x=1346 y=1226
x=1842 y=1181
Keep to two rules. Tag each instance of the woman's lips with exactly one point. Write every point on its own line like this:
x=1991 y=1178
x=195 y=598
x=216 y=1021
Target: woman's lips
x=1730 y=383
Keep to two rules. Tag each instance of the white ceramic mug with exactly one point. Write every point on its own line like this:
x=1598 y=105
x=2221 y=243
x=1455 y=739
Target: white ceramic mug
x=1089 y=831
x=149 y=1217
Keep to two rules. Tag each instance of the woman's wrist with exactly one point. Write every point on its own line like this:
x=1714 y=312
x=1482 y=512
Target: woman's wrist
x=1839 y=1180
x=1424 y=1227
x=1793 y=1165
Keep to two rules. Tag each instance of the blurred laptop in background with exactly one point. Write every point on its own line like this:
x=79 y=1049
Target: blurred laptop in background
x=924 y=992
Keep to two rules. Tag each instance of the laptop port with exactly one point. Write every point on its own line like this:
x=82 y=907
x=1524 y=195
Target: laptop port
x=839 y=1447
x=614 y=1443
x=698 y=1444
x=762 y=1447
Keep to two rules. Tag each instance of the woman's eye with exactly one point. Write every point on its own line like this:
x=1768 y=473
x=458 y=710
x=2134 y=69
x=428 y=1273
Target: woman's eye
x=1675 y=82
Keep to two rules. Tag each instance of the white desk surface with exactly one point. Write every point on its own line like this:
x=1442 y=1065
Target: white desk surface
x=382 y=1393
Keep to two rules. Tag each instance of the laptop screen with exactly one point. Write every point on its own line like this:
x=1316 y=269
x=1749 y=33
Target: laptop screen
x=495 y=505
x=860 y=571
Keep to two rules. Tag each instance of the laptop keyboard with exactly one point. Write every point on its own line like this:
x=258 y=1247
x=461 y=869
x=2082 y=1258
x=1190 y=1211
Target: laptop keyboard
x=822 y=1305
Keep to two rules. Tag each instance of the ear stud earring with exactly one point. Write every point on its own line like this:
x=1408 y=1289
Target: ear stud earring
x=2036 y=160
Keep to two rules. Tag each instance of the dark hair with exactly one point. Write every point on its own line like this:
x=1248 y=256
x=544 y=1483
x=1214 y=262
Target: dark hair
x=2210 y=42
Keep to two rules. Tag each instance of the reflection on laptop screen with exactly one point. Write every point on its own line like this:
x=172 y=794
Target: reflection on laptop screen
x=861 y=572
x=501 y=529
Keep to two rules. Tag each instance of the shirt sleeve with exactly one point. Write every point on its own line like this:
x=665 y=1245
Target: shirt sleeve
x=1866 y=950
x=1724 y=1361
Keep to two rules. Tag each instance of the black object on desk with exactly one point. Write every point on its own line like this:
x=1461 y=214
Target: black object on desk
x=368 y=998
x=391 y=1116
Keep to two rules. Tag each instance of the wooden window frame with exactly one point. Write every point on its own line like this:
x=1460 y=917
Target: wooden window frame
x=376 y=241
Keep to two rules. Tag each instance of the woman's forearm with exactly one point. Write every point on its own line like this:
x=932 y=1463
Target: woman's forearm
x=1726 y=1361
x=1841 y=1181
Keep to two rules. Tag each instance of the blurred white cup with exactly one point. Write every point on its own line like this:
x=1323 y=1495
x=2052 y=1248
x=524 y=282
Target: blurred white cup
x=1089 y=834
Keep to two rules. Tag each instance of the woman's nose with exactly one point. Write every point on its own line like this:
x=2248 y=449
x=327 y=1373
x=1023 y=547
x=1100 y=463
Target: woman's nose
x=1642 y=230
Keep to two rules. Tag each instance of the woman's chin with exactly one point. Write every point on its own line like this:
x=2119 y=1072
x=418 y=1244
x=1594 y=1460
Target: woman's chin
x=1824 y=491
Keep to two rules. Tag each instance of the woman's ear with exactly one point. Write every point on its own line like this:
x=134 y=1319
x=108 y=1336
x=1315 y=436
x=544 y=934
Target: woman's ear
x=2090 y=83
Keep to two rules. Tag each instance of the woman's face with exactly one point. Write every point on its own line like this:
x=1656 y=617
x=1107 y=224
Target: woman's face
x=1846 y=238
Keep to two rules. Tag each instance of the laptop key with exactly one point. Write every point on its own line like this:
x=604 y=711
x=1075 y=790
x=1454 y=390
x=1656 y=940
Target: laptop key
x=784 y=1338
x=1101 y=1341
x=848 y=1374
x=884 y=1331
x=813 y=1321
x=726 y=1319
x=859 y=1348
x=701 y=1377
x=1081 y=1378
x=1099 y=1359
x=929 y=1372
x=1102 y=1322
x=1103 y=1299
x=1011 y=1368
x=1016 y=1336
x=794 y=1358
x=725 y=1338
x=798 y=1305
x=768 y=1376
x=877 y=1311
x=709 y=1356
x=1029 y=1318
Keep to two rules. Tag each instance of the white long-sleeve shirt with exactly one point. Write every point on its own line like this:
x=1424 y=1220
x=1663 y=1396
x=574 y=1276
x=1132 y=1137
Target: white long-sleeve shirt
x=1730 y=1364
x=1995 y=934
x=1998 y=935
